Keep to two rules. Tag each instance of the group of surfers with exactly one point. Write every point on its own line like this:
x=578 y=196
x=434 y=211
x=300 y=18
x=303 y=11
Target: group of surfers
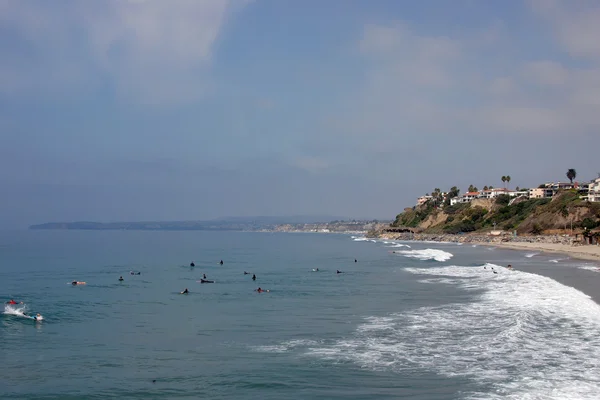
x=509 y=267
x=204 y=279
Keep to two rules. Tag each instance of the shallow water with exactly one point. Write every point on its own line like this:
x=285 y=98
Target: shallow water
x=425 y=322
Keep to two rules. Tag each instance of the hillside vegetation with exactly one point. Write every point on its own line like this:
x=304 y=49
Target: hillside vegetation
x=534 y=216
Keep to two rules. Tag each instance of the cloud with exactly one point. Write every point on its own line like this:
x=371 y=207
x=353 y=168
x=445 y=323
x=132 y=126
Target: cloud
x=574 y=23
x=421 y=88
x=148 y=51
x=546 y=73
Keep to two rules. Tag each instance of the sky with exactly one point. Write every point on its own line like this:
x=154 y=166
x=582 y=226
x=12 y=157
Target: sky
x=146 y=110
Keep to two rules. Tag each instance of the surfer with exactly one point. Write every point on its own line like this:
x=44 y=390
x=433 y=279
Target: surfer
x=221 y=262
x=253 y=277
x=185 y=291
x=121 y=278
x=355 y=260
x=12 y=302
x=192 y=264
x=203 y=276
x=75 y=283
x=338 y=272
x=260 y=290
x=246 y=273
x=510 y=266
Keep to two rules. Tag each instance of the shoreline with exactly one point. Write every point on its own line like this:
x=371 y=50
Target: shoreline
x=546 y=244
x=589 y=252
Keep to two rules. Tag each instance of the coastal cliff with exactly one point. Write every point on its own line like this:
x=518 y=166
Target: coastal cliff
x=561 y=214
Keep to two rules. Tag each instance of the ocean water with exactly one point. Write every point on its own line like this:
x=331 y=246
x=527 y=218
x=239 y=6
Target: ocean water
x=407 y=320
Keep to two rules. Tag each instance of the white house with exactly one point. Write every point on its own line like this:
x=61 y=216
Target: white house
x=541 y=193
x=493 y=193
x=594 y=190
x=465 y=198
x=423 y=199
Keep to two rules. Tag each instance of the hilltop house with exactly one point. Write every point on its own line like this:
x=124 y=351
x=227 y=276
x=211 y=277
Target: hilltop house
x=588 y=191
x=541 y=193
x=465 y=198
x=485 y=194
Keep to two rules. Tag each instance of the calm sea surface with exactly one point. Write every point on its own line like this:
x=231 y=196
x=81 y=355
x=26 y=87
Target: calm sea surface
x=430 y=321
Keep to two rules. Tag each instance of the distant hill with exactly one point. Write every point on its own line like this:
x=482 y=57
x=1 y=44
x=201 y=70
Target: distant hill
x=227 y=223
x=293 y=219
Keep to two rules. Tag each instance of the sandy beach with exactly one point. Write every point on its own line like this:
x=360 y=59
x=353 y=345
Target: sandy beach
x=589 y=252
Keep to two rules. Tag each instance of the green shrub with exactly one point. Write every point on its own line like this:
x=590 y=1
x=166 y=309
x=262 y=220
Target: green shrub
x=589 y=223
x=503 y=200
x=450 y=210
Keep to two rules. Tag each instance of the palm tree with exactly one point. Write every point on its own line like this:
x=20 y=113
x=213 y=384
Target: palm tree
x=571 y=174
x=507 y=178
x=503 y=179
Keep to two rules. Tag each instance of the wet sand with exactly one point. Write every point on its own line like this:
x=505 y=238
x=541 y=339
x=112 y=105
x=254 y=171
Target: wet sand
x=589 y=252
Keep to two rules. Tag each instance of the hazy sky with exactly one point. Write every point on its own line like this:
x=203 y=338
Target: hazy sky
x=169 y=110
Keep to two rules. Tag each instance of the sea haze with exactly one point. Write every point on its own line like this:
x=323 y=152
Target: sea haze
x=406 y=320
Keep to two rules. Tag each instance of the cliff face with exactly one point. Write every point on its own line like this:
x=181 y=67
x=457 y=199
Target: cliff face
x=534 y=216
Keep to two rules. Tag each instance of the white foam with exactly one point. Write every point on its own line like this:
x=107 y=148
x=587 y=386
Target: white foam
x=15 y=309
x=557 y=260
x=531 y=255
x=363 y=239
x=400 y=245
x=19 y=311
x=427 y=254
x=524 y=337
x=589 y=267
x=285 y=346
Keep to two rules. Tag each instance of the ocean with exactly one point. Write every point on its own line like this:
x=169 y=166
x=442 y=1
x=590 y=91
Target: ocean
x=407 y=320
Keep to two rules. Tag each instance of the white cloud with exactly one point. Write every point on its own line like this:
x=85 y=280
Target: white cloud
x=153 y=51
x=419 y=88
x=575 y=23
x=546 y=73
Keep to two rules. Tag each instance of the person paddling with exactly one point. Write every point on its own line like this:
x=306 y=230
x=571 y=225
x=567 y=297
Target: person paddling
x=253 y=277
x=185 y=291
x=121 y=279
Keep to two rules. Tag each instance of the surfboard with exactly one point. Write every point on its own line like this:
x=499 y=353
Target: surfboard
x=206 y=281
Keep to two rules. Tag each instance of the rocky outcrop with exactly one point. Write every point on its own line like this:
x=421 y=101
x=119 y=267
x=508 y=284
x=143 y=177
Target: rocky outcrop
x=476 y=238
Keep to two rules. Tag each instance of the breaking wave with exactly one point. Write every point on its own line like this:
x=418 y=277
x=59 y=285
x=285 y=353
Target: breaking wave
x=427 y=254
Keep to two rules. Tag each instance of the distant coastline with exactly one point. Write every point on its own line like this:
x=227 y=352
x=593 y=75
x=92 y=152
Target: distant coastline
x=249 y=225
